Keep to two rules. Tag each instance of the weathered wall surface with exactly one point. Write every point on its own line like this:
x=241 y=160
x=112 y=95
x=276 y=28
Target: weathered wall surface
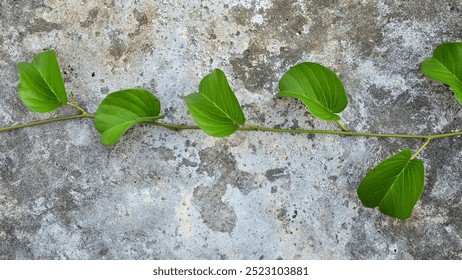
x=159 y=194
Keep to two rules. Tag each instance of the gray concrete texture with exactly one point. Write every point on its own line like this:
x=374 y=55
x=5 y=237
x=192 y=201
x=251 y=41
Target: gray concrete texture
x=160 y=194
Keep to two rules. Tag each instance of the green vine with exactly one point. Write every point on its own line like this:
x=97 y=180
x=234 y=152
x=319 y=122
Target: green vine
x=394 y=185
x=249 y=127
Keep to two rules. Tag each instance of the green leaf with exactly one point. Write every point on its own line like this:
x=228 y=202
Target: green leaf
x=215 y=108
x=395 y=185
x=121 y=110
x=41 y=86
x=446 y=66
x=316 y=86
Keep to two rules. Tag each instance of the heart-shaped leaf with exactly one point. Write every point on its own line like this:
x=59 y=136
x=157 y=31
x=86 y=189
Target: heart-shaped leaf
x=446 y=66
x=215 y=108
x=41 y=86
x=395 y=185
x=121 y=110
x=316 y=86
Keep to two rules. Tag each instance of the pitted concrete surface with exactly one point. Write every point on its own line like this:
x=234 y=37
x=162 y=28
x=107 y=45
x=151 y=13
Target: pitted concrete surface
x=160 y=194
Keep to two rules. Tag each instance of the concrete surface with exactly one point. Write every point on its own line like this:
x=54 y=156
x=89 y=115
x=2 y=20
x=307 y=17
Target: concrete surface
x=159 y=194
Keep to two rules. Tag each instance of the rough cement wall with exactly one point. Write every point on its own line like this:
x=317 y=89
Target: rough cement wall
x=159 y=194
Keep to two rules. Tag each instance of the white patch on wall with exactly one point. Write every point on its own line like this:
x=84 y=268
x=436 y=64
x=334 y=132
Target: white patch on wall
x=265 y=4
x=257 y=19
x=393 y=83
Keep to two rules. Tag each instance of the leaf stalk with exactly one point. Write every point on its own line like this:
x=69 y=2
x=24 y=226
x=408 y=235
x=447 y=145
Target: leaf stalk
x=421 y=148
x=80 y=109
x=342 y=126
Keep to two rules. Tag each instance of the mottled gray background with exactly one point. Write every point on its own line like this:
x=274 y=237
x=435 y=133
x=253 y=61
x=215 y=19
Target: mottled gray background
x=160 y=194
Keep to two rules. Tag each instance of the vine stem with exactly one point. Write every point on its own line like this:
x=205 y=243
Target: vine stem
x=350 y=133
x=249 y=127
x=175 y=127
x=71 y=117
